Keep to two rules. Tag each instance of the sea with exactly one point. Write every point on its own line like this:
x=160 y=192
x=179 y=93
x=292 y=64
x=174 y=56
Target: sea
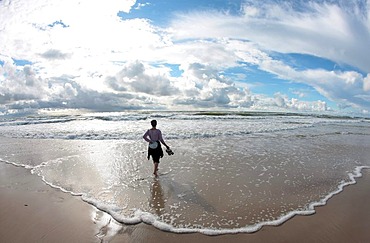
x=231 y=172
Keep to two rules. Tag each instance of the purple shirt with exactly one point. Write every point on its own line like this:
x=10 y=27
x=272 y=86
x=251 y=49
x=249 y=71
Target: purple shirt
x=154 y=135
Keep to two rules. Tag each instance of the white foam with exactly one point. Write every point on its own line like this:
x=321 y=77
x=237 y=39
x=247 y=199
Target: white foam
x=16 y=164
x=103 y=126
x=148 y=218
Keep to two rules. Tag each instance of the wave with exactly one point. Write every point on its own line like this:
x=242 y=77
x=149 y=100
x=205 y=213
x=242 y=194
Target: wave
x=140 y=216
x=136 y=135
x=179 y=125
x=180 y=115
x=149 y=218
x=35 y=121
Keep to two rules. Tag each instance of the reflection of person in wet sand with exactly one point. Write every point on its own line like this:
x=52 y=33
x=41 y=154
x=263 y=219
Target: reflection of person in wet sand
x=157 y=200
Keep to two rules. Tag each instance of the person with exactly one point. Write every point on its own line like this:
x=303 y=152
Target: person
x=154 y=137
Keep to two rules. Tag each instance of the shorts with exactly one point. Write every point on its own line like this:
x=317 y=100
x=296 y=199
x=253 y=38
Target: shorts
x=156 y=153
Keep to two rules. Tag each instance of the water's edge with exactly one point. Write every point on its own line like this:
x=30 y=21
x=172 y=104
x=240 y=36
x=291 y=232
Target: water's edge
x=148 y=218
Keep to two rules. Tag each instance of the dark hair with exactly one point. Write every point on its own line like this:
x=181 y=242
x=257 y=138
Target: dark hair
x=154 y=123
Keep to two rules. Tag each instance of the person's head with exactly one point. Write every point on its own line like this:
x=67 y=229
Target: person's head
x=154 y=123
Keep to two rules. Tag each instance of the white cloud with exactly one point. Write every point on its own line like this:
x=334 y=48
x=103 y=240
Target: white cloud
x=367 y=83
x=54 y=54
x=73 y=34
x=332 y=31
x=29 y=27
x=20 y=84
x=204 y=86
x=83 y=55
x=326 y=30
x=134 y=77
x=281 y=102
x=345 y=88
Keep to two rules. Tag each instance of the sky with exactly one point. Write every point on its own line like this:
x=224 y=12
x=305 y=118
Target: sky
x=115 y=55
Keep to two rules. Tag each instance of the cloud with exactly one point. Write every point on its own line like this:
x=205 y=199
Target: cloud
x=343 y=87
x=199 y=86
x=20 y=84
x=24 y=89
x=82 y=55
x=54 y=54
x=334 y=30
x=135 y=77
x=28 y=28
x=295 y=104
x=205 y=86
x=367 y=83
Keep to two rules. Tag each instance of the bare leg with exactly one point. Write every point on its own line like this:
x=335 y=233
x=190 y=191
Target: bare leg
x=155 y=169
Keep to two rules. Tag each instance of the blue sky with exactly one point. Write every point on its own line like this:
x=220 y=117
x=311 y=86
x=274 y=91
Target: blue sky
x=268 y=55
x=160 y=12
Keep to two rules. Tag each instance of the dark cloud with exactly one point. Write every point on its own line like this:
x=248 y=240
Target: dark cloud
x=133 y=77
x=53 y=54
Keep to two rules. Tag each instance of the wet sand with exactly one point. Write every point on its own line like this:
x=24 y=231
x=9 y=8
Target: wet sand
x=31 y=211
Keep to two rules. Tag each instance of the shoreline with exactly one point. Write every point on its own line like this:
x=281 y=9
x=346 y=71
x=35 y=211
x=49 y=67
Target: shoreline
x=34 y=212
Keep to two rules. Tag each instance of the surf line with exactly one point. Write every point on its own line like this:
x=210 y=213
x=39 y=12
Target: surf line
x=140 y=216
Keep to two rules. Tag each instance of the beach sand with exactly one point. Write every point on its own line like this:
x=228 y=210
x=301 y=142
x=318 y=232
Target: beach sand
x=31 y=211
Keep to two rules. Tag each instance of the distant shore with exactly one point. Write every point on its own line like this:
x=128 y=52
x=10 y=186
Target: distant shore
x=34 y=212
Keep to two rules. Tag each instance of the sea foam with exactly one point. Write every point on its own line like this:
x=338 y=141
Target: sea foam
x=149 y=218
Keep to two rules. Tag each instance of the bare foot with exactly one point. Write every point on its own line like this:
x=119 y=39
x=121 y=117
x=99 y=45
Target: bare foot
x=156 y=172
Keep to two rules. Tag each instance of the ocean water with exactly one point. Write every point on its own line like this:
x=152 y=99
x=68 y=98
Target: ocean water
x=231 y=172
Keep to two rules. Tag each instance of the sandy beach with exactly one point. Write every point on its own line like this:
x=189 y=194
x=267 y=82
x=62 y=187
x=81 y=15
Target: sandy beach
x=31 y=211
